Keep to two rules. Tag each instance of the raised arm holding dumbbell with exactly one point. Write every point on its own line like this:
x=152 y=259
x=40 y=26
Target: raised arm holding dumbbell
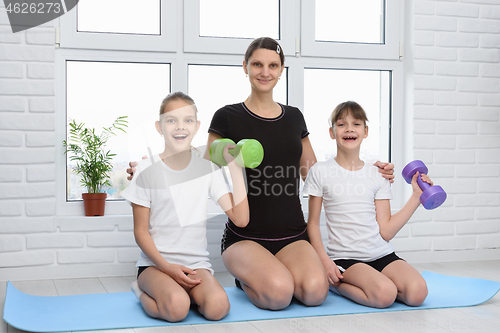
x=390 y=224
x=424 y=192
x=432 y=196
x=248 y=153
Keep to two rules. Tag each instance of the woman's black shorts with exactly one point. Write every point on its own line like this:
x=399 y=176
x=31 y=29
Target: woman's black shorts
x=273 y=246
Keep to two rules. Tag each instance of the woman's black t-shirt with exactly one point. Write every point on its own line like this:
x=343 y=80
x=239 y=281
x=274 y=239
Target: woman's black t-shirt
x=274 y=186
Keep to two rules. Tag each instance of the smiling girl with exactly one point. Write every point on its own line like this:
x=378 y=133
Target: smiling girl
x=360 y=263
x=169 y=199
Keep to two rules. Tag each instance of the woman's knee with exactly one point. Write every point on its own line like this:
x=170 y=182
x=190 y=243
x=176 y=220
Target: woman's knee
x=277 y=292
x=313 y=290
x=174 y=307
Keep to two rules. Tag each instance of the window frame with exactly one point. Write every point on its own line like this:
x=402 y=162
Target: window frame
x=390 y=50
x=182 y=50
x=165 y=42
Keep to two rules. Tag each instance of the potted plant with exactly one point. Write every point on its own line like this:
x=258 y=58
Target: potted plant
x=93 y=161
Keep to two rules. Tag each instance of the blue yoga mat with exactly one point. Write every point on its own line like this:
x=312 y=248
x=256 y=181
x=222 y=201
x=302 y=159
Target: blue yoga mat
x=123 y=310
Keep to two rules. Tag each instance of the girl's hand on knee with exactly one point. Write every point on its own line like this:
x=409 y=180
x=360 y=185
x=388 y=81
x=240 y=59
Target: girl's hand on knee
x=333 y=274
x=180 y=274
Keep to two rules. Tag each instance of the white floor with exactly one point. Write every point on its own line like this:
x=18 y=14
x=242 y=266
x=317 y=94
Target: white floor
x=481 y=318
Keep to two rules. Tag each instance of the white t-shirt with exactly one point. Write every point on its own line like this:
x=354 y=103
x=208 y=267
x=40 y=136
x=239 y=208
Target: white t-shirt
x=349 y=203
x=178 y=207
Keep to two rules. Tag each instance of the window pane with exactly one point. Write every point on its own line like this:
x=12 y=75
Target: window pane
x=353 y=21
x=240 y=18
x=119 y=16
x=99 y=92
x=324 y=89
x=212 y=87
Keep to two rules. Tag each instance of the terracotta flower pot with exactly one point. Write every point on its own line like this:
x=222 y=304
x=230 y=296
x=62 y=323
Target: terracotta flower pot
x=94 y=203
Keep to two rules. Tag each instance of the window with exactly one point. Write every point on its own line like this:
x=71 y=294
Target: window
x=118 y=89
x=228 y=26
x=367 y=29
x=370 y=88
x=119 y=16
x=355 y=21
x=240 y=16
x=148 y=25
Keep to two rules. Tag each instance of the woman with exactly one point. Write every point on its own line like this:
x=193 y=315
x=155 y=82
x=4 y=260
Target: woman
x=271 y=258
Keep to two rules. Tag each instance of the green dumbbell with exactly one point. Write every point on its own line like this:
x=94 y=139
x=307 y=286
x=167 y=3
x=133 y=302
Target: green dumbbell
x=248 y=153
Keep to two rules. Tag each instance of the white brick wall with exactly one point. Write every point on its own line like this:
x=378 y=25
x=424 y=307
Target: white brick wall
x=454 y=52
x=34 y=243
x=456 y=129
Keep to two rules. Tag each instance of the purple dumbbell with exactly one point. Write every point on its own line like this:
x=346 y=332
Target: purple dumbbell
x=433 y=196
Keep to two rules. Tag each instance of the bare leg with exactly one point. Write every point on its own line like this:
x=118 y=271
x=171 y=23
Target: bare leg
x=163 y=297
x=367 y=286
x=311 y=284
x=412 y=288
x=210 y=297
x=266 y=281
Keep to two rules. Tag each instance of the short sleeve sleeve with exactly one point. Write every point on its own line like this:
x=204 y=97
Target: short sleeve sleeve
x=219 y=187
x=303 y=130
x=384 y=191
x=219 y=124
x=312 y=185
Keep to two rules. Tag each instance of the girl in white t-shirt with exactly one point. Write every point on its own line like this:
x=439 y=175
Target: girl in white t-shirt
x=169 y=199
x=360 y=263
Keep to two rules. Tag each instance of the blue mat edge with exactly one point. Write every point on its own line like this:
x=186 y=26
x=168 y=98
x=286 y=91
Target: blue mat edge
x=280 y=314
x=476 y=279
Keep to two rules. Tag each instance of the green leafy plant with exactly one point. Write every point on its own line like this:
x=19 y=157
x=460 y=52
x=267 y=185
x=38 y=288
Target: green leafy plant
x=88 y=150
